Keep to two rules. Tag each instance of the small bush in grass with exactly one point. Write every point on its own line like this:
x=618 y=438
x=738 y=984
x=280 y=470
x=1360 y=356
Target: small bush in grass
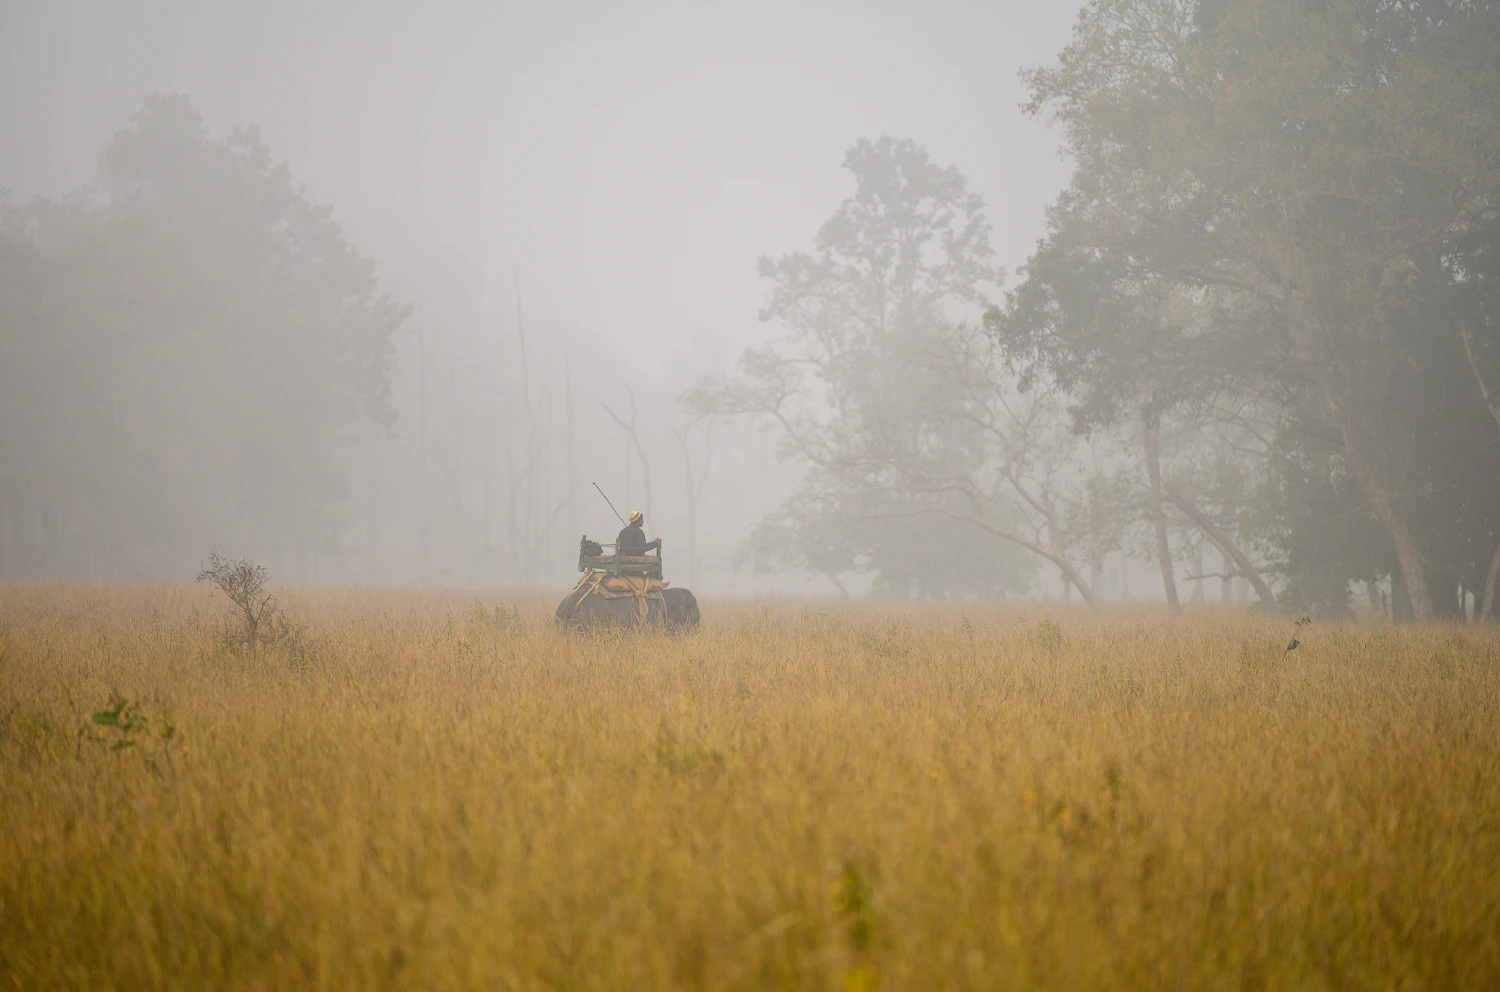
x=258 y=618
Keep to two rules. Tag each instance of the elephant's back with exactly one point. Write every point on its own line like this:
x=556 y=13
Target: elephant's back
x=611 y=608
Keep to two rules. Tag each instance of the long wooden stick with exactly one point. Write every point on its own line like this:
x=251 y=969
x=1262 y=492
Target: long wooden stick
x=611 y=505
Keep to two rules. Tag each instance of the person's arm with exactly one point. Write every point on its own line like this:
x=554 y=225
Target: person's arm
x=633 y=542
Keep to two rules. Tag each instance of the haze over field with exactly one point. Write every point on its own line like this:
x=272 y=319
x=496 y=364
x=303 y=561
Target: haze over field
x=1213 y=310
x=625 y=164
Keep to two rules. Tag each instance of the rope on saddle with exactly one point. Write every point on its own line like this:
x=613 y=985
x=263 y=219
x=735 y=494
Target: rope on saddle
x=639 y=588
x=590 y=584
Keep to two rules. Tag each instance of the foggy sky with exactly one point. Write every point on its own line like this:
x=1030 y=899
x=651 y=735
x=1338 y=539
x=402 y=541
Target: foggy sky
x=629 y=161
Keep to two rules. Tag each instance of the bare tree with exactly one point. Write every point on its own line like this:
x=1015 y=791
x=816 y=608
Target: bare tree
x=422 y=437
x=259 y=619
x=1151 y=443
x=695 y=479
x=966 y=445
x=858 y=380
x=1012 y=463
x=1492 y=401
x=531 y=513
x=575 y=477
x=634 y=437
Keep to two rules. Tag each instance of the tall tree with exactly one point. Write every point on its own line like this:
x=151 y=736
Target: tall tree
x=1292 y=171
x=192 y=355
x=883 y=385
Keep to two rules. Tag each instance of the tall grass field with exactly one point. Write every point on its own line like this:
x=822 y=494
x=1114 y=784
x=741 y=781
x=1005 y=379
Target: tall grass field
x=440 y=791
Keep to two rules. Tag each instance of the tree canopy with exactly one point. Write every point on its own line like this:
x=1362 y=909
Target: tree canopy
x=1269 y=290
x=186 y=357
x=1289 y=208
x=883 y=386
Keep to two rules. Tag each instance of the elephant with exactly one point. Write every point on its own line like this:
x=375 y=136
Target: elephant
x=682 y=608
x=598 y=601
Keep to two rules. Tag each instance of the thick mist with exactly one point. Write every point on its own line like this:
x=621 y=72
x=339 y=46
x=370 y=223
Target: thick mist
x=1188 y=301
x=622 y=169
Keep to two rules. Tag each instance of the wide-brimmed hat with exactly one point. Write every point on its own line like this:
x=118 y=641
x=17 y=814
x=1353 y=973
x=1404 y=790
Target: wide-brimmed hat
x=635 y=516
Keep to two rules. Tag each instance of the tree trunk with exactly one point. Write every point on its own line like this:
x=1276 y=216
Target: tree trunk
x=1400 y=602
x=1072 y=576
x=1483 y=613
x=487 y=565
x=1490 y=400
x=52 y=542
x=575 y=513
x=1448 y=597
x=7 y=543
x=422 y=441
x=692 y=502
x=1069 y=573
x=1489 y=586
x=1151 y=437
x=372 y=518
x=1418 y=593
x=1216 y=534
x=634 y=438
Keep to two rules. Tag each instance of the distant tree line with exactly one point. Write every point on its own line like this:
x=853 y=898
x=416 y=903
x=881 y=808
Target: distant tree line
x=1263 y=327
x=193 y=354
x=187 y=353
x=1259 y=344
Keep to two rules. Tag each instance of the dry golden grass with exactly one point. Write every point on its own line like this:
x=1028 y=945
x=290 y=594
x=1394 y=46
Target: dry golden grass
x=422 y=798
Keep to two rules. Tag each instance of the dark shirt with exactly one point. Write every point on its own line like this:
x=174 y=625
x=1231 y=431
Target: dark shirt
x=632 y=541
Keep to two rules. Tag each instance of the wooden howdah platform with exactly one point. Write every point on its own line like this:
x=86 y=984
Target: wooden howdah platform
x=613 y=564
